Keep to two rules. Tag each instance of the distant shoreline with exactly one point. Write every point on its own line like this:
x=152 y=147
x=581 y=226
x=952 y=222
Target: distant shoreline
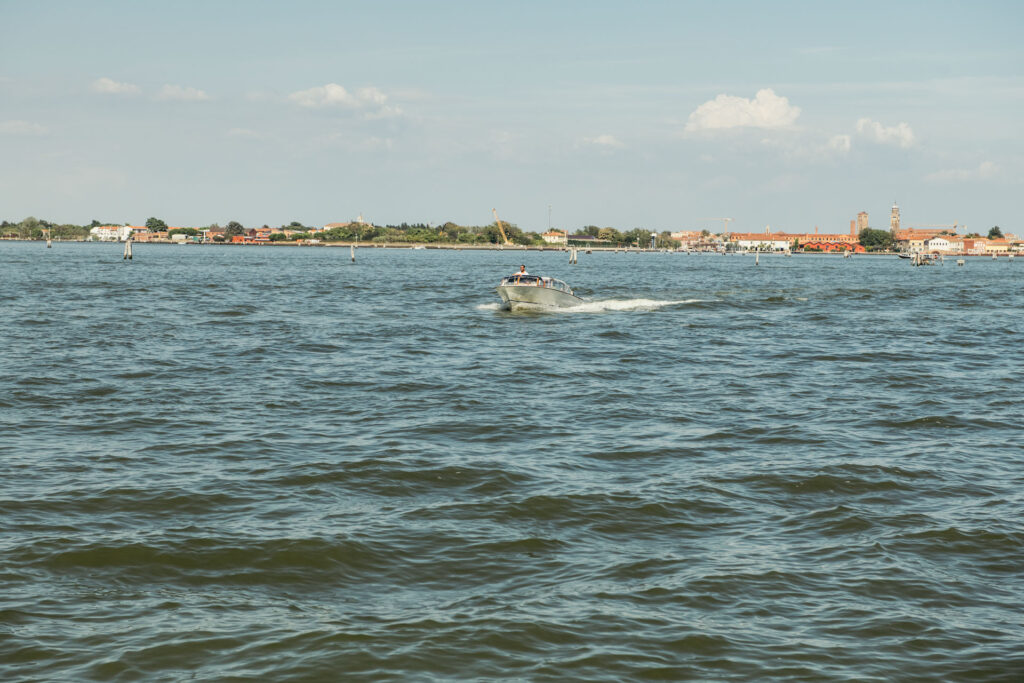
x=451 y=246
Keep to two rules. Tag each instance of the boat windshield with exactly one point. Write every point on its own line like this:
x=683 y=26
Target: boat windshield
x=535 y=281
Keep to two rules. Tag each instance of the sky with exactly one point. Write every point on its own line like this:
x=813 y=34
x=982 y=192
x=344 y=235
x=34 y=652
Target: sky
x=662 y=115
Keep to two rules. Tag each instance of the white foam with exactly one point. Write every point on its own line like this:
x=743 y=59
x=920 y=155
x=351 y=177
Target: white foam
x=625 y=305
x=605 y=305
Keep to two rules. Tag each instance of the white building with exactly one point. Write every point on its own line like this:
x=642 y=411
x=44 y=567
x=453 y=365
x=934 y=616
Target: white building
x=765 y=243
x=111 y=233
x=554 y=237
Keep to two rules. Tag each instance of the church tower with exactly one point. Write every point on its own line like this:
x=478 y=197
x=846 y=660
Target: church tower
x=894 y=219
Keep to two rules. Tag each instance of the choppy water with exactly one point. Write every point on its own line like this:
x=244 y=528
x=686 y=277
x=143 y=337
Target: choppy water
x=273 y=464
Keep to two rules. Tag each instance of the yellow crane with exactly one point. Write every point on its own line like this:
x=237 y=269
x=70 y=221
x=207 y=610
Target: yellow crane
x=724 y=220
x=501 y=229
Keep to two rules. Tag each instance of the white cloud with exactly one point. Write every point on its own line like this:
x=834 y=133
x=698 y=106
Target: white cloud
x=181 y=94
x=385 y=112
x=839 y=143
x=331 y=94
x=984 y=171
x=766 y=110
x=334 y=95
x=371 y=96
x=607 y=141
x=900 y=134
x=21 y=128
x=111 y=87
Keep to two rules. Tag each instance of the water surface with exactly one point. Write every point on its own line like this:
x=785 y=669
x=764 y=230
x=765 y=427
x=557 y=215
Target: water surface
x=274 y=464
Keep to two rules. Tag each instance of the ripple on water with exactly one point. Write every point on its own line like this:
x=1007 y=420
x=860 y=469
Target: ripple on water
x=707 y=471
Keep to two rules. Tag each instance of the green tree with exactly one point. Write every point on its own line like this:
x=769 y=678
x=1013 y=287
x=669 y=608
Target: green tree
x=995 y=233
x=278 y=237
x=876 y=240
x=665 y=241
x=233 y=228
x=155 y=225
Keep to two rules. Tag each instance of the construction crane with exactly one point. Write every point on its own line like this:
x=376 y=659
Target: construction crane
x=724 y=220
x=501 y=229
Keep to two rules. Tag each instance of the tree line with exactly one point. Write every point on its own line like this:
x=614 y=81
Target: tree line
x=448 y=233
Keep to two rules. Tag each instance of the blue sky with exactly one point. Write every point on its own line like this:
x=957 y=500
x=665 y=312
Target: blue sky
x=653 y=114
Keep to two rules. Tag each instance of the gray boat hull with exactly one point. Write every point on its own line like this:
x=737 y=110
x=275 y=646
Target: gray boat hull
x=532 y=297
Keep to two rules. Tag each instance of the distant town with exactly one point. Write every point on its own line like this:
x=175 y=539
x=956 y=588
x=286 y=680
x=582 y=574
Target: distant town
x=861 y=238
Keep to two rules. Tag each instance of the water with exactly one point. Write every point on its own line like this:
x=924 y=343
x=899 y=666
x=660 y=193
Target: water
x=274 y=464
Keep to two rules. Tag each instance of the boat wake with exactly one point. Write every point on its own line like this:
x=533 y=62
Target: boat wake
x=608 y=305
x=626 y=305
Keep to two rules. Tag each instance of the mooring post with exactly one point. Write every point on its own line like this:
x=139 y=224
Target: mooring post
x=352 y=252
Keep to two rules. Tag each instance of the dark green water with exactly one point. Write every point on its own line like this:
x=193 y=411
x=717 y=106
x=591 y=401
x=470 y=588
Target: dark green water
x=273 y=464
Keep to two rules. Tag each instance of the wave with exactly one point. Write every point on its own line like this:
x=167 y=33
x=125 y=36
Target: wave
x=604 y=305
x=627 y=305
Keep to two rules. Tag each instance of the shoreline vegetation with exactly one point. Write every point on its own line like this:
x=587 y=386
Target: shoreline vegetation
x=449 y=246
x=503 y=236
x=354 y=232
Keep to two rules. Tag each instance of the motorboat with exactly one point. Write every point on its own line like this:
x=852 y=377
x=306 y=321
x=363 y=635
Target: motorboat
x=535 y=292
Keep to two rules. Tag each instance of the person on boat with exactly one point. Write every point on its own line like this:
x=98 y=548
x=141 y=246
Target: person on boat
x=522 y=271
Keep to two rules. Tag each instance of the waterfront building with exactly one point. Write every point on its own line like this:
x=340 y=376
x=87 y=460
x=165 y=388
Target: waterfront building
x=782 y=241
x=259 y=234
x=555 y=237
x=937 y=245
x=111 y=233
x=767 y=241
x=997 y=246
x=974 y=245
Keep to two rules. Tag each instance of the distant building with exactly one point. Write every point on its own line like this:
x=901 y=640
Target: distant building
x=997 y=247
x=258 y=235
x=862 y=221
x=111 y=233
x=974 y=245
x=768 y=241
x=555 y=236
x=782 y=241
x=938 y=245
x=689 y=239
x=894 y=219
